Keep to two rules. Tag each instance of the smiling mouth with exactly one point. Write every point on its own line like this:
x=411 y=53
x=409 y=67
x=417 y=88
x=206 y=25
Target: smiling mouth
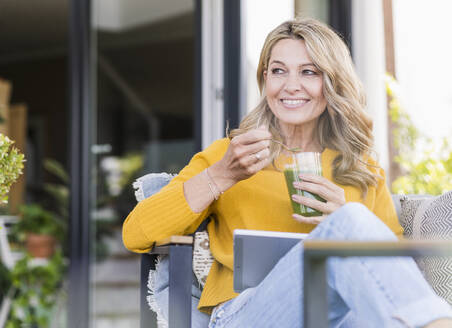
x=294 y=103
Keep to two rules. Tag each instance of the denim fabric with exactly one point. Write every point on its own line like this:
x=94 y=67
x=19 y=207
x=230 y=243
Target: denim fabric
x=151 y=183
x=363 y=291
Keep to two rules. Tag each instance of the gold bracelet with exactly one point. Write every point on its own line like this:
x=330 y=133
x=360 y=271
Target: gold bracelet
x=212 y=186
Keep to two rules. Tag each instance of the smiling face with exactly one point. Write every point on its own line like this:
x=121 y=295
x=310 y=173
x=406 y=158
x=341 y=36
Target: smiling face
x=294 y=86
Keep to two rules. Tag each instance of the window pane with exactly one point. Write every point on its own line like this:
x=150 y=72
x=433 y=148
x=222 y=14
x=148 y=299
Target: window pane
x=145 y=96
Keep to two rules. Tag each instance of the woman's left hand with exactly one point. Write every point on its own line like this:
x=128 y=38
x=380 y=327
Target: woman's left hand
x=333 y=194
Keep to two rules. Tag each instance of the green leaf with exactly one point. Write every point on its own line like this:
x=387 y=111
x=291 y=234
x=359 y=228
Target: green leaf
x=427 y=169
x=55 y=168
x=35 y=297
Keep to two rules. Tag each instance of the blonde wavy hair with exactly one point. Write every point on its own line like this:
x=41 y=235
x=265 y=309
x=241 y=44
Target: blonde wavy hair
x=344 y=126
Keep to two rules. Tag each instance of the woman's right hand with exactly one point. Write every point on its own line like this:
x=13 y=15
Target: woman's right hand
x=246 y=155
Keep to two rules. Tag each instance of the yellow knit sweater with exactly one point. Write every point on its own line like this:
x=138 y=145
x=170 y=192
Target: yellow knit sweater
x=261 y=202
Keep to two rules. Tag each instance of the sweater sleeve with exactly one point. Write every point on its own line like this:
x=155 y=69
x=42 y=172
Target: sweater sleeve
x=384 y=206
x=167 y=212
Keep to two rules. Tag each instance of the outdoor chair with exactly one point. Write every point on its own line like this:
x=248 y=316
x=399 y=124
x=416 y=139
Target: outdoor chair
x=180 y=248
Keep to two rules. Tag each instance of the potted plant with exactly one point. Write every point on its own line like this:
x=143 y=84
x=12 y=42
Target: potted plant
x=39 y=229
x=11 y=165
x=37 y=283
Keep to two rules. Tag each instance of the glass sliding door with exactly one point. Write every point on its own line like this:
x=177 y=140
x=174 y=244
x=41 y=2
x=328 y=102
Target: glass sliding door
x=145 y=118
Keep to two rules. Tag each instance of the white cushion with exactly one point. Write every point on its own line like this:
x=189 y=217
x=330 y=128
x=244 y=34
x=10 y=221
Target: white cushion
x=431 y=219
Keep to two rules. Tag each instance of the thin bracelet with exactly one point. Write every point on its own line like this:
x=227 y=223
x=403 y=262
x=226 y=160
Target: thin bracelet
x=213 y=187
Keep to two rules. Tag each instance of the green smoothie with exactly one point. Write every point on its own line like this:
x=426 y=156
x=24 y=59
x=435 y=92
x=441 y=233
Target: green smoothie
x=291 y=176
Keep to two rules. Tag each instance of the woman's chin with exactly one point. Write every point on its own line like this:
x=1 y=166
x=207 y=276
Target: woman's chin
x=294 y=119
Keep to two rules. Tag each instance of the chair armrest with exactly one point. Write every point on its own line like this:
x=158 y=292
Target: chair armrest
x=316 y=253
x=180 y=250
x=162 y=246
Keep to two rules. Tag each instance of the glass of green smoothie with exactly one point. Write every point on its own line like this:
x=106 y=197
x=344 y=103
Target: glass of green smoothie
x=298 y=163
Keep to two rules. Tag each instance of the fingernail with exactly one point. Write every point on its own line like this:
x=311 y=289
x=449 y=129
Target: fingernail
x=296 y=217
x=302 y=176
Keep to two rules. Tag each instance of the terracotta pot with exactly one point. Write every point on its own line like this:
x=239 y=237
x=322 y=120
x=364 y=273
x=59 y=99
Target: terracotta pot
x=42 y=246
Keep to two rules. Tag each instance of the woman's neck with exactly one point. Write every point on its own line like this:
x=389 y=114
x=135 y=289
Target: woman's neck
x=302 y=136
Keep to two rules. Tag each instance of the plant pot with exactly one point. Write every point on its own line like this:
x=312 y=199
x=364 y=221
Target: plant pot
x=42 y=246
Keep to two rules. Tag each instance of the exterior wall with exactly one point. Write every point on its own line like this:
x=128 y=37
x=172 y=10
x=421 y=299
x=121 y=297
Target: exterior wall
x=368 y=55
x=212 y=71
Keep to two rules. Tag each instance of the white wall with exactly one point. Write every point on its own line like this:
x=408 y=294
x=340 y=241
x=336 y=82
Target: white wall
x=212 y=71
x=260 y=17
x=423 y=45
x=368 y=53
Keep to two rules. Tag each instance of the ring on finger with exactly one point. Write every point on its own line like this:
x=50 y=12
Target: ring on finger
x=258 y=156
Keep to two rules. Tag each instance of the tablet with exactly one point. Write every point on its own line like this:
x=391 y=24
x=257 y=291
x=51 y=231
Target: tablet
x=256 y=252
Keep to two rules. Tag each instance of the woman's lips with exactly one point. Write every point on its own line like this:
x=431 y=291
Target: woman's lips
x=293 y=103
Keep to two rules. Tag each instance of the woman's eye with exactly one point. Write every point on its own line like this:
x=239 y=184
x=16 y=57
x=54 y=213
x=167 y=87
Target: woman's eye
x=308 y=72
x=277 y=71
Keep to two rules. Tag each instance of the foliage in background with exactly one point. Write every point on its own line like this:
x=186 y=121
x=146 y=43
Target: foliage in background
x=5 y=280
x=120 y=171
x=35 y=219
x=427 y=168
x=37 y=283
x=11 y=165
x=114 y=196
x=58 y=191
x=130 y=164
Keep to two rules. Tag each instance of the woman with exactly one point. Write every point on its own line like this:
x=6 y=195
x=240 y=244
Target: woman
x=313 y=100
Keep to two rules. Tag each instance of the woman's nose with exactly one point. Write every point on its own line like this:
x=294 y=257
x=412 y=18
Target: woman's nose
x=293 y=83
